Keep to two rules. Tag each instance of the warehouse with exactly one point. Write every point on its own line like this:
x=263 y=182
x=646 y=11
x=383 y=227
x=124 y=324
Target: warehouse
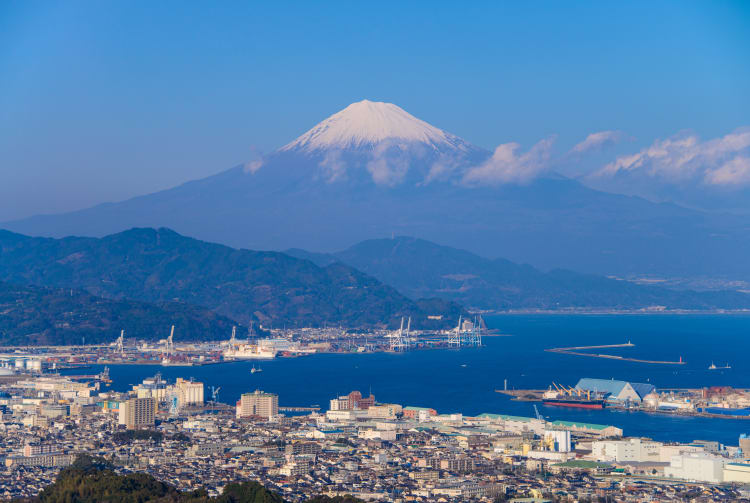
x=616 y=391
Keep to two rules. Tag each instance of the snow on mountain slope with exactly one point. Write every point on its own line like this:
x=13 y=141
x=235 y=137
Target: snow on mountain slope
x=367 y=123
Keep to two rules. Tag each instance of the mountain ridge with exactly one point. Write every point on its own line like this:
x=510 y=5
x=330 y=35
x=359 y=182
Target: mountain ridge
x=327 y=199
x=418 y=267
x=34 y=315
x=160 y=265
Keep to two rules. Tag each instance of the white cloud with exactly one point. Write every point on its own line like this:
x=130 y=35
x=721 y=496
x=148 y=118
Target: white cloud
x=389 y=161
x=734 y=172
x=597 y=141
x=508 y=165
x=333 y=166
x=683 y=157
x=253 y=166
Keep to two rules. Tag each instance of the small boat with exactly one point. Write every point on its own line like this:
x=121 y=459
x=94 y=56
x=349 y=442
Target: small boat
x=714 y=367
x=254 y=370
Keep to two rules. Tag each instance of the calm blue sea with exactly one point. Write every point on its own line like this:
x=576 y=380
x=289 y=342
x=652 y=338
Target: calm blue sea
x=464 y=380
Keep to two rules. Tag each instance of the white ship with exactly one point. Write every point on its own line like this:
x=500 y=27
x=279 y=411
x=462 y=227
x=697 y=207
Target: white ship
x=249 y=352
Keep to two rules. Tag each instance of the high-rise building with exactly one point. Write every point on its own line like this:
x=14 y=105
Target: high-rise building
x=259 y=404
x=137 y=412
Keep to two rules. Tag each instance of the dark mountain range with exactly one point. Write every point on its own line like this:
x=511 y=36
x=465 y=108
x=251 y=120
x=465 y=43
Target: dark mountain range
x=163 y=266
x=60 y=316
x=420 y=268
x=373 y=170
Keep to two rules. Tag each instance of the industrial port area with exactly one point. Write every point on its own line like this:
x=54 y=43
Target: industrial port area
x=280 y=343
x=597 y=394
x=181 y=433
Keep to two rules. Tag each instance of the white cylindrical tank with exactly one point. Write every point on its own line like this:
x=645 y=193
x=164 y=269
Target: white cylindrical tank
x=20 y=363
x=35 y=365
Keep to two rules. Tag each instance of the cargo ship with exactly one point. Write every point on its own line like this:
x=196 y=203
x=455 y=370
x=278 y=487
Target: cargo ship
x=564 y=396
x=575 y=402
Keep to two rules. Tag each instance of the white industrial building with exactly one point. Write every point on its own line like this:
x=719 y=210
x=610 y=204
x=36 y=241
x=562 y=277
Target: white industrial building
x=737 y=472
x=629 y=450
x=696 y=466
x=558 y=440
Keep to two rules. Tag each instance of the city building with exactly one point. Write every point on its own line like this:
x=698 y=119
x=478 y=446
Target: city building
x=352 y=401
x=258 y=404
x=137 y=413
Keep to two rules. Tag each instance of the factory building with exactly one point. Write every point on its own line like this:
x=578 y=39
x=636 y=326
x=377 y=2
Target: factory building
x=696 y=466
x=600 y=430
x=630 y=450
x=737 y=472
x=259 y=404
x=558 y=440
x=137 y=413
x=616 y=391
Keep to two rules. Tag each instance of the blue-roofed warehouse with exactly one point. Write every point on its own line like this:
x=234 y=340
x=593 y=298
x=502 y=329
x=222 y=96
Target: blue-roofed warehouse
x=616 y=391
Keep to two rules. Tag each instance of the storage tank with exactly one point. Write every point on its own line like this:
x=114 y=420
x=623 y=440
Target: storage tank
x=20 y=363
x=34 y=365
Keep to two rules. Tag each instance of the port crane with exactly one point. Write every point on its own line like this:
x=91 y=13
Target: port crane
x=455 y=336
x=119 y=343
x=470 y=337
x=215 y=394
x=537 y=414
x=398 y=341
x=169 y=343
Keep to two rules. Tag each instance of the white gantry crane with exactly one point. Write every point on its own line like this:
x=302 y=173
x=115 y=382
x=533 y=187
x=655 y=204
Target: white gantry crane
x=170 y=342
x=120 y=343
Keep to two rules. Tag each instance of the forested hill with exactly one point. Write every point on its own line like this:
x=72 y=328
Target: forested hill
x=162 y=266
x=93 y=480
x=61 y=316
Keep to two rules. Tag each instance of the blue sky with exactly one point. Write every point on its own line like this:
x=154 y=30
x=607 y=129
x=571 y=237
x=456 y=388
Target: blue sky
x=100 y=101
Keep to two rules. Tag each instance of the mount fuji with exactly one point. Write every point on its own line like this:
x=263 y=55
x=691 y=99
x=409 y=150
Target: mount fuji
x=373 y=170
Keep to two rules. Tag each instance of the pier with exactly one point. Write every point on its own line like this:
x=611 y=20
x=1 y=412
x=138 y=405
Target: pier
x=578 y=351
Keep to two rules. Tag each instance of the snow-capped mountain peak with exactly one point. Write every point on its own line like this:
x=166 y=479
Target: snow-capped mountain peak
x=367 y=123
